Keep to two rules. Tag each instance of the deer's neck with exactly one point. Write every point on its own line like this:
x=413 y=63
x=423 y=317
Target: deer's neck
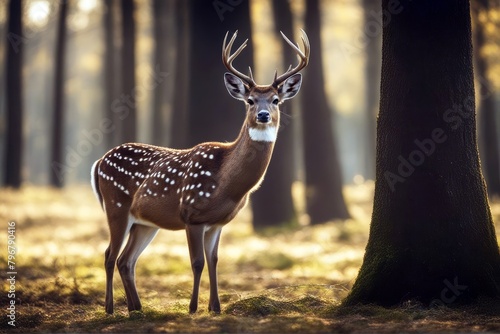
x=249 y=157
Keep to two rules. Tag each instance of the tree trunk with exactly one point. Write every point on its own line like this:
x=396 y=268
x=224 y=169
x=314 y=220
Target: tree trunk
x=180 y=112
x=111 y=71
x=324 y=198
x=488 y=132
x=160 y=32
x=431 y=238
x=213 y=114
x=14 y=121
x=57 y=175
x=128 y=98
x=273 y=204
x=372 y=83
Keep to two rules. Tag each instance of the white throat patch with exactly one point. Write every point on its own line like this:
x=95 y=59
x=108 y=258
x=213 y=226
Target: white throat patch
x=268 y=134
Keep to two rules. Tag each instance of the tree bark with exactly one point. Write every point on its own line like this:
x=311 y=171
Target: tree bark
x=129 y=94
x=180 y=112
x=273 y=205
x=111 y=71
x=57 y=175
x=160 y=32
x=372 y=82
x=213 y=114
x=432 y=237
x=14 y=121
x=488 y=132
x=324 y=198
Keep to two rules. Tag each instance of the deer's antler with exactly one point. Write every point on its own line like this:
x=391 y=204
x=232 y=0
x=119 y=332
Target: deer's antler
x=227 y=59
x=304 y=59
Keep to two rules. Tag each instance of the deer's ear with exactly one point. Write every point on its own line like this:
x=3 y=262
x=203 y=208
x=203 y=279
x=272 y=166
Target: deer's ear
x=235 y=86
x=290 y=87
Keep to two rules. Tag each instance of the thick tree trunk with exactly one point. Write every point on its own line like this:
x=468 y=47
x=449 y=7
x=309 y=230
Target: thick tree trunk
x=273 y=204
x=324 y=198
x=372 y=75
x=431 y=238
x=14 y=121
x=213 y=114
x=488 y=132
x=57 y=175
x=129 y=96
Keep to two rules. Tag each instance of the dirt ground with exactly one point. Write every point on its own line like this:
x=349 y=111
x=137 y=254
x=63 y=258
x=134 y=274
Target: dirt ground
x=283 y=280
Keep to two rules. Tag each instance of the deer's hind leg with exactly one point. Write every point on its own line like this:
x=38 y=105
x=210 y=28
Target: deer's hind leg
x=139 y=238
x=119 y=227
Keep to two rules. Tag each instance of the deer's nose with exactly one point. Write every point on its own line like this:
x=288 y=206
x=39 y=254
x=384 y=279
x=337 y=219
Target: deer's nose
x=263 y=116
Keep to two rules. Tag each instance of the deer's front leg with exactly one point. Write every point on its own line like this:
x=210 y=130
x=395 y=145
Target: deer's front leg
x=212 y=237
x=195 y=236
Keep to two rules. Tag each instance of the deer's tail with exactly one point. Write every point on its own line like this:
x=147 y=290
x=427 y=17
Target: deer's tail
x=94 y=180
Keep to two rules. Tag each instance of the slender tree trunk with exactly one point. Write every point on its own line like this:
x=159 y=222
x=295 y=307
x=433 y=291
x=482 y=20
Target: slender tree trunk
x=372 y=75
x=111 y=71
x=432 y=237
x=129 y=93
x=57 y=176
x=213 y=114
x=160 y=31
x=14 y=121
x=273 y=204
x=179 y=122
x=324 y=198
x=488 y=132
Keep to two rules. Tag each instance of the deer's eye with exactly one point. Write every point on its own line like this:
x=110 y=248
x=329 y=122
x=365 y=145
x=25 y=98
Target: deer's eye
x=276 y=101
x=250 y=102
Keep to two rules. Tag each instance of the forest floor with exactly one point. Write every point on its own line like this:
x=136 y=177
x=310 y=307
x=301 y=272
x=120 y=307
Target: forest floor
x=282 y=281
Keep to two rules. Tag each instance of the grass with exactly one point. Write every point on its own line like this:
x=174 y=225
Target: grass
x=285 y=280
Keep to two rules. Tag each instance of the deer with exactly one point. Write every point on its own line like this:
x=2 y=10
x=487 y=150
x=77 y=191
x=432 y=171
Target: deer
x=143 y=188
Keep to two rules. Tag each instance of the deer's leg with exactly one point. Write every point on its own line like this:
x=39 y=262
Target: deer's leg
x=140 y=237
x=212 y=237
x=195 y=236
x=118 y=229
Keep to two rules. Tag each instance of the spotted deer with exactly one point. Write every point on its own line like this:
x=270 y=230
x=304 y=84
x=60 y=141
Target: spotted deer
x=143 y=188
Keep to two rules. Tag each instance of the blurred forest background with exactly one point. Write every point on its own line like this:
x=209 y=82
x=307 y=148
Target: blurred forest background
x=82 y=76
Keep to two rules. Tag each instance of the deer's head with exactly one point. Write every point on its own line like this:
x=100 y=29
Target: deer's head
x=262 y=101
